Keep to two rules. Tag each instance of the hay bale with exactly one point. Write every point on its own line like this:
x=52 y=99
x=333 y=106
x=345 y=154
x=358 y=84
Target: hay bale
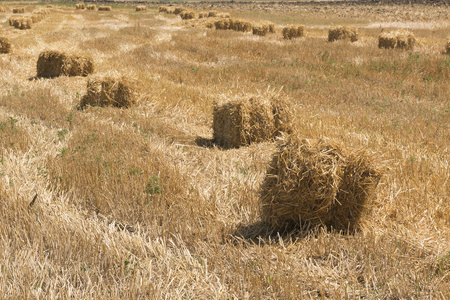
x=241 y=25
x=18 y=10
x=343 y=33
x=271 y=27
x=212 y=14
x=223 y=24
x=179 y=10
x=293 y=31
x=223 y=15
x=260 y=29
x=5 y=45
x=202 y=14
x=109 y=91
x=187 y=15
x=21 y=23
x=318 y=182
x=104 y=8
x=400 y=39
x=163 y=9
x=49 y=6
x=253 y=119
x=91 y=7
x=80 y=6
x=2 y=9
x=447 y=46
x=141 y=8
x=53 y=63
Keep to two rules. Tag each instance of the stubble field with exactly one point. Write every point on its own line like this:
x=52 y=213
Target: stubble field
x=140 y=203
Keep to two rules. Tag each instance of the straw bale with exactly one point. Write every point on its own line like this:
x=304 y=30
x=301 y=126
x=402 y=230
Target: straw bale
x=318 y=183
x=447 y=46
x=241 y=25
x=18 y=10
x=109 y=91
x=223 y=15
x=104 y=8
x=5 y=45
x=187 y=15
x=91 y=7
x=49 y=6
x=271 y=27
x=53 y=63
x=212 y=14
x=2 y=9
x=400 y=39
x=80 y=6
x=179 y=10
x=163 y=9
x=21 y=23
x=202 y=14
x=141 y=8
x=343 y=33
x=36 y=18
x=293 y=31
x=223 y=24
x=260 y=29
x=252 y=119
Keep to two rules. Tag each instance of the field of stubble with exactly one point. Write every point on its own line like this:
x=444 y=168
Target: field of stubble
x=130 y=203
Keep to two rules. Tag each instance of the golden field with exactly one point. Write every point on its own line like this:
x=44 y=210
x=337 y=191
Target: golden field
x=113 y=203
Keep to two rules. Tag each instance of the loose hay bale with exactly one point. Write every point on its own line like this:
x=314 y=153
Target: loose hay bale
x=400 y=39
x=163 y=9
x=202 y=14
x=104 y=8
x=241 y=25
x=141 y=8
x=2 y=9
x=109 y=91
x=5 y=45
x=212 y=14
x=318 y=182
x=18 y=10
x=260 y=29
x=179 y=10
x=343 y=33
x=223 y=24
x=293 y=31
x=91 y=7
x=253 y=119
x=80 y=6
x=187 y=15
x=21 y=23
x=53 y=63
x=447 y=46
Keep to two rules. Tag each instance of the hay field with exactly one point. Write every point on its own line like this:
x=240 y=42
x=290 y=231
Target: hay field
x=104 y=202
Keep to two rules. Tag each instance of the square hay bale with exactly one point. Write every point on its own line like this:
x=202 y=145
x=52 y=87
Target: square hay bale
x=187 y=15
x=179 y=10
x=223 y=15
x=447 y=46
x=80 y=6
x=318 y=183
x=400 y=39
x=2 y=9
x=241 y=25
x=141 y=8
x=223 y=24
x=202 y=14
x=163 y=9
x=104 y=8
x=21 y=23
x=253 y=119
x=109 y=91
x=91 y=7
x=5 y=45
x=293 y=31
x=18 y=10
x=212 y=14
x=36 y=18
x=343 y=33
x=260 y=29
x=53 y=63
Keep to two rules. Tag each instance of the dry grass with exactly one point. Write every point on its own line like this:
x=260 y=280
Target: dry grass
x=53 y=64
x=2 y=9
x=139 y=203
x=447 y=46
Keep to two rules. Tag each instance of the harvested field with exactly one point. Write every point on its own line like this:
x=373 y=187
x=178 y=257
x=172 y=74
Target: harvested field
x=216 y=164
